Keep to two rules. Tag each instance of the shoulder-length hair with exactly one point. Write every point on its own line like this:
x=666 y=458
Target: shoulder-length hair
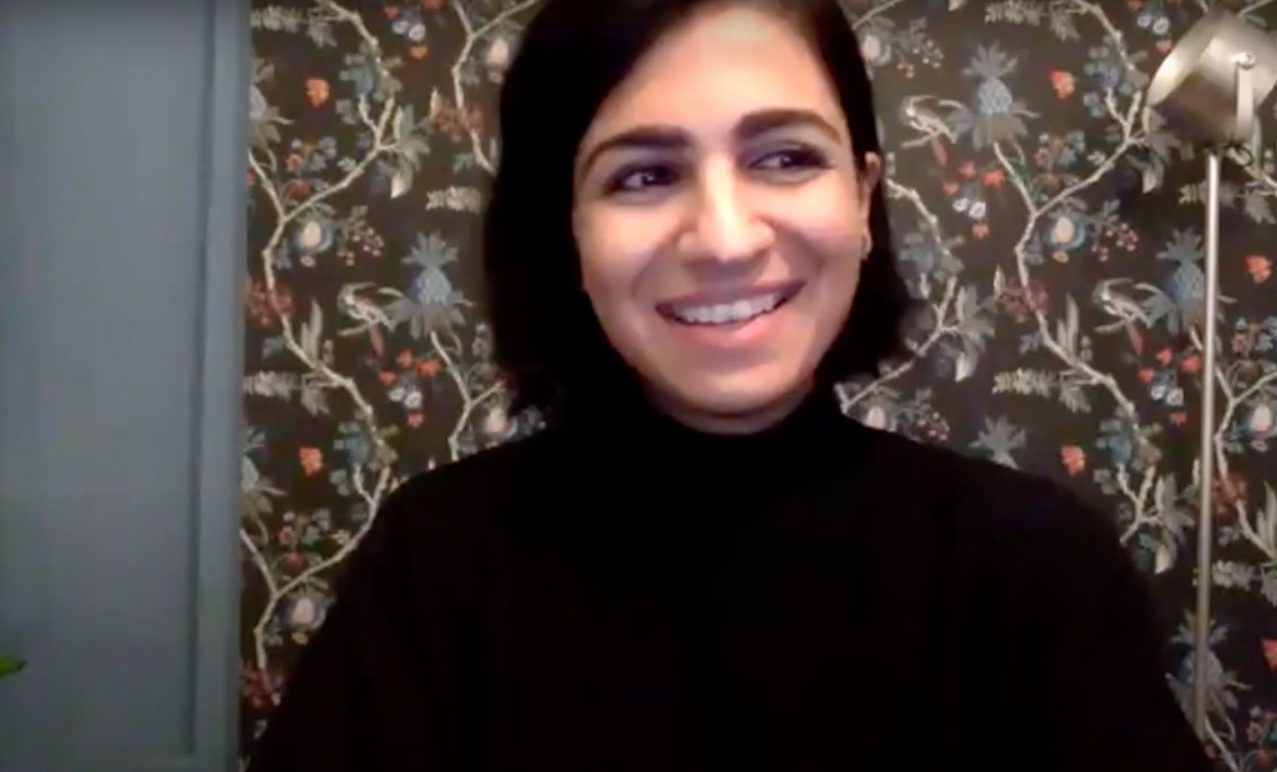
x=547 y=340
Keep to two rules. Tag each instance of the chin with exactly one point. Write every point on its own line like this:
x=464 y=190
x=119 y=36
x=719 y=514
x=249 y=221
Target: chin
x=740 y=394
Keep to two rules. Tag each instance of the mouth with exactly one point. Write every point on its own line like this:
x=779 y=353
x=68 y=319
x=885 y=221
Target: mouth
x=728 y=309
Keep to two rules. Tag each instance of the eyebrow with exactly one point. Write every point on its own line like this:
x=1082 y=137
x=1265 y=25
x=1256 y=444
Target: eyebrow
x=748 y=127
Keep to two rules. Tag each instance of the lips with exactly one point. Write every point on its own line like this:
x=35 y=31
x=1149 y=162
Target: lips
x=727 y=307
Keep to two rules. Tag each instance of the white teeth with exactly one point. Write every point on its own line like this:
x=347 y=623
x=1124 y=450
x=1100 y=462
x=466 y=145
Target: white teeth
x=728 y=313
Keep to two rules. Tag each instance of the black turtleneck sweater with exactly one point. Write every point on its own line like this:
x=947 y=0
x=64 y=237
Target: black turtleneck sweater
x=627 y=595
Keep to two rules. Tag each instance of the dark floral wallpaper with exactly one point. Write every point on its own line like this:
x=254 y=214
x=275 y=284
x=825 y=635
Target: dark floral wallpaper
x=1052 y=229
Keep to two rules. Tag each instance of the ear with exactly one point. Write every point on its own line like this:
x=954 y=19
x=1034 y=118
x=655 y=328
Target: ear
x=871 y=175
x=868 y=176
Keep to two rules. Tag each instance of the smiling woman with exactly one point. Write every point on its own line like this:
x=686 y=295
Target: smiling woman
x=721 y=216
x=701 y=564
x=704 y=176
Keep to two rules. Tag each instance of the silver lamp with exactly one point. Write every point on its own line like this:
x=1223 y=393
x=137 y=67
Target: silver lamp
x=1208 y=91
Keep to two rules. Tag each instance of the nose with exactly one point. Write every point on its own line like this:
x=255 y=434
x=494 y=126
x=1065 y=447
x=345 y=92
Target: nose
x=724 y=226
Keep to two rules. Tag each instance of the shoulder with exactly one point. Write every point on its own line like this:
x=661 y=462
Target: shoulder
x=489 y=470
x=446 y=522
x=467 y=493
x=1005 y=496
x=1021 y=545
x=1021 y=523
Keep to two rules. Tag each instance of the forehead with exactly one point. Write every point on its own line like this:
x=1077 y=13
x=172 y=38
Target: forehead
x=721 y=63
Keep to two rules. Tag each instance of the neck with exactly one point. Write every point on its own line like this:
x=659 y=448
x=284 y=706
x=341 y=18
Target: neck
x=662 y=468
x=624 y=412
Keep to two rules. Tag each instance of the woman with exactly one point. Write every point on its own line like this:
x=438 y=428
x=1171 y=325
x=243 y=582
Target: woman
x=702 y=565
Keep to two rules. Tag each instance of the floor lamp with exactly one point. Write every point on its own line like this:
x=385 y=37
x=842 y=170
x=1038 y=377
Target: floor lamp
x=1208 y=91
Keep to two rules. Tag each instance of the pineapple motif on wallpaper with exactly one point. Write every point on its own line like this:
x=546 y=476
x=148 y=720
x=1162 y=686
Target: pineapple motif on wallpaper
x=997 y=115
x=432 y=303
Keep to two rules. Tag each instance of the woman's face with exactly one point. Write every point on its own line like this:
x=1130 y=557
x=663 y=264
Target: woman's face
x=721 y=220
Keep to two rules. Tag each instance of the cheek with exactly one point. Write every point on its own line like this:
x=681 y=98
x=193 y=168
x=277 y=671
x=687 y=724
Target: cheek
x=615 y=252
x=835 y=227
x=832 y=227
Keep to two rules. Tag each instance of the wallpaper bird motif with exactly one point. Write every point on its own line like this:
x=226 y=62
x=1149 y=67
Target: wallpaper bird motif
x=1052 y=230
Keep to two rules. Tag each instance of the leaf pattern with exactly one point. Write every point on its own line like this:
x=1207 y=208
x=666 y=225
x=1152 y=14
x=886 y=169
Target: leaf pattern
x=1050 y=226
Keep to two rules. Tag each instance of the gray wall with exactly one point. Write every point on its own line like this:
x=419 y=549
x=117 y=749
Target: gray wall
x=122 y=134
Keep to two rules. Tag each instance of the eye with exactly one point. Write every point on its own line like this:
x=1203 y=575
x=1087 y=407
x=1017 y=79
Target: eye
x=792 y=159
x=638 y=178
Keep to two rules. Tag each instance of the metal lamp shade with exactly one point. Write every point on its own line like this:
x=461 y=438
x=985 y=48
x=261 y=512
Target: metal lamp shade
x=1196 y=90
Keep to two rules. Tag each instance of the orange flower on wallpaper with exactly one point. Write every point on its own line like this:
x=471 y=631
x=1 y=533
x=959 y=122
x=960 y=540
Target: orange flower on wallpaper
x=317 y=91
x=1259 y=268
x=1063 y=83
x=1270 y=653
x=312 y=460
x=1073 y=458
